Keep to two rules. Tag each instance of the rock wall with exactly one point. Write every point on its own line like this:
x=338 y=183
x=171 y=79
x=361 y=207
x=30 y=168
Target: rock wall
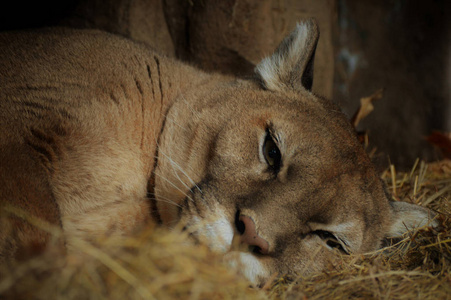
x=401 y=46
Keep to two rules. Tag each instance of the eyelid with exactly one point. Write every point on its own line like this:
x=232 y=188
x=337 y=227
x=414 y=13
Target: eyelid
x=274 y=135
x=330 y=236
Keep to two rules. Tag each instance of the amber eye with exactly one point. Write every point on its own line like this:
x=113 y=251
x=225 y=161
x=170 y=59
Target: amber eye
x=271 y=153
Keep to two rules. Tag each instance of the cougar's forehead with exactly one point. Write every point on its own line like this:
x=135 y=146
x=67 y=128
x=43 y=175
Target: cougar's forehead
x=298 y=111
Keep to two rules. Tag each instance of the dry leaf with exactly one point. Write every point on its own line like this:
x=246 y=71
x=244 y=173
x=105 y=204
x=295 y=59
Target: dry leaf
x=366 y=107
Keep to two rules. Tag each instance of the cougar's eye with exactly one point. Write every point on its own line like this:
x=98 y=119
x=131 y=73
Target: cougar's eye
x=330 y=240
x=271 y=152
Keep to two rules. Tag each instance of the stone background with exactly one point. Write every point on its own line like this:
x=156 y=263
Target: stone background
x=402 y=46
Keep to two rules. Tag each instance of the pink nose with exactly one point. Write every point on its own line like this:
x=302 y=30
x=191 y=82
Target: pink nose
x=251 y=238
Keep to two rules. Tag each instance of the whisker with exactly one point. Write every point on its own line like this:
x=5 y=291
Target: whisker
x=166 y=200
x=189 y=105
x=178 y=177
x=170 y=182
x=173 y=121
x=173 y=163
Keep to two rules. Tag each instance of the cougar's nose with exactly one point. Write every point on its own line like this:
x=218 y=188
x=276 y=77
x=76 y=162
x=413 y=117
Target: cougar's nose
x=250 y=237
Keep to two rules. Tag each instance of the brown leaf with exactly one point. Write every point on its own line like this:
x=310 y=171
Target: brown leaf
x=366 y=107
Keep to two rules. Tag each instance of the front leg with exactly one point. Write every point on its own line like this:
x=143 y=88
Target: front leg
x=102 y=191
x=120 y=217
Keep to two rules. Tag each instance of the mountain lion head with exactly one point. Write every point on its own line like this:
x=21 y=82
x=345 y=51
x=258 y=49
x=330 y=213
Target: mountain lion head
x=100 y=135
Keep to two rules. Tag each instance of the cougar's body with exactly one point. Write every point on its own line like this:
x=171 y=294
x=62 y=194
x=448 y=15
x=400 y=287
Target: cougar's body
x=81 y=114
x=100 y=135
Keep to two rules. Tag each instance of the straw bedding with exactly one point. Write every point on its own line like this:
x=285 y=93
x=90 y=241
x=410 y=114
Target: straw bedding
x=158 y=264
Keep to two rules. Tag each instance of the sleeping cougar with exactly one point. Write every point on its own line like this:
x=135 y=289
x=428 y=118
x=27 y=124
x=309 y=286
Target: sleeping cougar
x=100 y=135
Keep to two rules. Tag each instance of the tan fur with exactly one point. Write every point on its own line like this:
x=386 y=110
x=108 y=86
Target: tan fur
x=100 y=135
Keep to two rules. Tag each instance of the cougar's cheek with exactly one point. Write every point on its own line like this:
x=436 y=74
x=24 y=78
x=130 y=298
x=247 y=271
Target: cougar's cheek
x=248 y=265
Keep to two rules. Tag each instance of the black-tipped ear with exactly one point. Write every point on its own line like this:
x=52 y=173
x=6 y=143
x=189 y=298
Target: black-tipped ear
x=291 y=65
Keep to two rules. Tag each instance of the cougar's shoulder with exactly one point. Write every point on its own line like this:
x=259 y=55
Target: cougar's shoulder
x=81 y=113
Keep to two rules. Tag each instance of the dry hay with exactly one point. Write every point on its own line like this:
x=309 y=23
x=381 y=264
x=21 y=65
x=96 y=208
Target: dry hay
x=157 y=264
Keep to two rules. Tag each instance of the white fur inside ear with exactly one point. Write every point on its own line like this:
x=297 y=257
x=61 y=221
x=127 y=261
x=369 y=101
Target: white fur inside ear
x=409 y=217
x=291 y=56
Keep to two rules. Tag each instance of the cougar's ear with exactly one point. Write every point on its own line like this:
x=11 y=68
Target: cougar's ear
x=406 y=217
x=291 y=65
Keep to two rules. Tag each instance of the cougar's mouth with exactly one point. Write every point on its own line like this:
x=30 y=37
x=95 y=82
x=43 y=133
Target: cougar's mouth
x=222 y=235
